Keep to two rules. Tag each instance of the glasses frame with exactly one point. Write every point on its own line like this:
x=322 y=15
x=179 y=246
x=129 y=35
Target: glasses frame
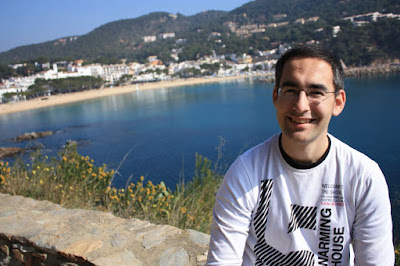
x=307 y=92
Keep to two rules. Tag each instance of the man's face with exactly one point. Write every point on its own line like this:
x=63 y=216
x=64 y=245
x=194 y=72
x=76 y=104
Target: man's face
x=302 y=121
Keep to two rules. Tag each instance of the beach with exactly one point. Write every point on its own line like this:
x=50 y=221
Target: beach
x=61 y=99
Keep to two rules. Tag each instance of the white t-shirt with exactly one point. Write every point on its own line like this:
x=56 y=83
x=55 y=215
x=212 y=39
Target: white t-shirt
x=269 y=213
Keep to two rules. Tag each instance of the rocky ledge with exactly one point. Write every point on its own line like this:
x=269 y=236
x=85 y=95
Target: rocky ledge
x=36 y=232
x=33 y=135
x=9 y=151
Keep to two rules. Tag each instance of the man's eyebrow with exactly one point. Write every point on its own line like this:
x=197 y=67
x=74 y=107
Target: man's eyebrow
x=289 y=84
x=318 y=86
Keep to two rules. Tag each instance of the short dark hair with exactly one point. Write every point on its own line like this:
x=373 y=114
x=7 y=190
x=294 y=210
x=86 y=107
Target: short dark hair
x=315 y=51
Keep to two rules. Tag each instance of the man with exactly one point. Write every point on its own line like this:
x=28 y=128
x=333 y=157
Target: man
x=302 y=197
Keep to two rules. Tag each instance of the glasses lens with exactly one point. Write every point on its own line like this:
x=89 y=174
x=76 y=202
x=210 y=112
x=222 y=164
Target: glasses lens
x=289 y=93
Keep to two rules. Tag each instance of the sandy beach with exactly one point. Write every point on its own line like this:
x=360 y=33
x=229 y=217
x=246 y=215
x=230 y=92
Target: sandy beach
x=92 y=94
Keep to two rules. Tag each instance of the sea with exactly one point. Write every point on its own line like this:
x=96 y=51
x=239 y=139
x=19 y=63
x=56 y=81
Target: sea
x=157 y=133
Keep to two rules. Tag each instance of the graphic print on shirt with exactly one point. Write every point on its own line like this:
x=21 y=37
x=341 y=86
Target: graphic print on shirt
x=332 y=195
x=302 y=217
x=331 y=235
x=266 y=254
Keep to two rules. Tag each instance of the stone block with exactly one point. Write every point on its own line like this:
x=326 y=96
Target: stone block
x=199 y=238
x=174 y=256
x=19 y=255
x=40 y=256
x=5 y=249
x=83 y=247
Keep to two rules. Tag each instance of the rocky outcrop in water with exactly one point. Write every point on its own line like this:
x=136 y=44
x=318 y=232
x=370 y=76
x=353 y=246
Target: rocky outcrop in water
x=33 y=135
x=9 y=151
x=372 y=71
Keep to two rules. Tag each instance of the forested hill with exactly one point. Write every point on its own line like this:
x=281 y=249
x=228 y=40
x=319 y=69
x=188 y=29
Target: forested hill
x=225 y=33
x=328 y=10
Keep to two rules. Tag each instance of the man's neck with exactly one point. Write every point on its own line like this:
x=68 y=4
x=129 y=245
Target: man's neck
x=305 y=153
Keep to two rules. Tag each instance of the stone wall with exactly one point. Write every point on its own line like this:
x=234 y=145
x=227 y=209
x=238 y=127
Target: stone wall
x=36 y=232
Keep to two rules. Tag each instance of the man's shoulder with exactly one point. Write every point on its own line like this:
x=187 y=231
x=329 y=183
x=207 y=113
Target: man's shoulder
x=349 y=155
x=262 y=149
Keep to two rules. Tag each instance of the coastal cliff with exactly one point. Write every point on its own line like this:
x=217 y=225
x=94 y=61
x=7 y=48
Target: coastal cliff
x=36 y=232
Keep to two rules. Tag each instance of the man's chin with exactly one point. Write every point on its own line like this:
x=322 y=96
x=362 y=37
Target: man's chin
x=299 y=137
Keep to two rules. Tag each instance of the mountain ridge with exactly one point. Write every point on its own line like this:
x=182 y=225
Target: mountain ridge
x=125 y=38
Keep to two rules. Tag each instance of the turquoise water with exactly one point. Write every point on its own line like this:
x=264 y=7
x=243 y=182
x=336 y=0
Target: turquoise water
x=165 y=128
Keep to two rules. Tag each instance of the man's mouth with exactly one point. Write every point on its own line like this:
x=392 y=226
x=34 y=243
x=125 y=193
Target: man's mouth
x=300 y=120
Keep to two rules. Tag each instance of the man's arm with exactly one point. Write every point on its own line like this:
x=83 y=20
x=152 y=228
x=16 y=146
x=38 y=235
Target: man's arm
x=232 y=217
x=372 y=228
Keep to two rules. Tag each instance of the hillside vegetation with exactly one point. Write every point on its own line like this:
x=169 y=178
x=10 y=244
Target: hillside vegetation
x=124 y=38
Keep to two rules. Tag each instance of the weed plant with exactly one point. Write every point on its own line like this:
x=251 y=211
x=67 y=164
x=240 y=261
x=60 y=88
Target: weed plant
x=73 y=181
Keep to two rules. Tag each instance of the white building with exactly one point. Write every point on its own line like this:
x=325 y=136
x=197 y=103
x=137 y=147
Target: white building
x=151 y=38
x=113 y=73
x=167 y=35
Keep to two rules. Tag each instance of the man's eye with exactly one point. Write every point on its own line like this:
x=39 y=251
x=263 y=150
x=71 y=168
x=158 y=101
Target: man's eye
x=290 y=91
x=316 y=93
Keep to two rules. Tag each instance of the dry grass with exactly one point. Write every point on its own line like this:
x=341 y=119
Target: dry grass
x=73 y=181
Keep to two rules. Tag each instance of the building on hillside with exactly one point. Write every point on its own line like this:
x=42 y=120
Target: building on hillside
x=335 y=31
x=362 y=19
x=245 y=59
x=231 y=25
x=181 y=41
x=151 y=38
x=112 y=73
x=167 y=35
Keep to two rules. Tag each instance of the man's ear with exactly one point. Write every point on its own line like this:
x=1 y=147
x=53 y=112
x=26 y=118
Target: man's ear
x=340 y=102
x=275 y=94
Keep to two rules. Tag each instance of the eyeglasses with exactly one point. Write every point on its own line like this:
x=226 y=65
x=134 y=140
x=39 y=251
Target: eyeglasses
x=314 y=95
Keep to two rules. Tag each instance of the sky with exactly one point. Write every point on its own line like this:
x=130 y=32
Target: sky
x=24 y=22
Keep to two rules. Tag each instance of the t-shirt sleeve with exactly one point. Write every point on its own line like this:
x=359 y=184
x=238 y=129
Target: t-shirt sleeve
x=372 y=228
x=232 y=217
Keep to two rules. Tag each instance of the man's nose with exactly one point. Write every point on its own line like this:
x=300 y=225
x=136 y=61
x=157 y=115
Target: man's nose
x=302 y=103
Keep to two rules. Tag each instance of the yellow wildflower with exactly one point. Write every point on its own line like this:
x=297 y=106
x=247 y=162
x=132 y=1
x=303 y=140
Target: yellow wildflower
x=190 y=217
x=183 y=209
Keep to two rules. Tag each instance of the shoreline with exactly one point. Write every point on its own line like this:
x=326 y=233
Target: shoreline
x=61 y=99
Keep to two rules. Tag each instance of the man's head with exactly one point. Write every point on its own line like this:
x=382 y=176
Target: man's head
x=311 y=51
x=307 y=93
